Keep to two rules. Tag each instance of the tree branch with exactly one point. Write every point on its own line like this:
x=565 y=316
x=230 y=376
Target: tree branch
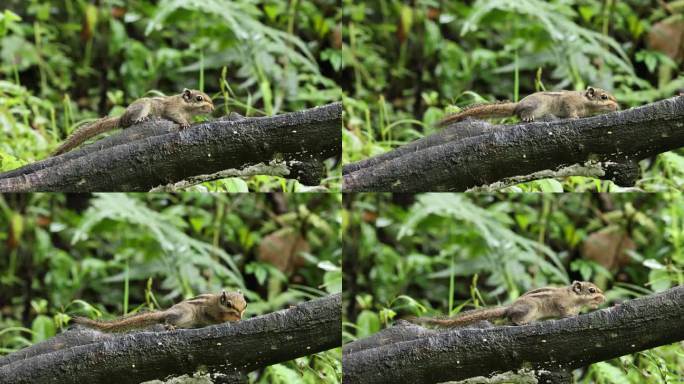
x=554 y=345
x=473 y=153
x=155 y=153
x=240 y=347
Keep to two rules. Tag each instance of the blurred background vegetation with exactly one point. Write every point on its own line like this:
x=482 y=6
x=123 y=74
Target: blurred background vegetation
x=113 y=254
x=439 y=254
x=408 y=63
x=66 y=62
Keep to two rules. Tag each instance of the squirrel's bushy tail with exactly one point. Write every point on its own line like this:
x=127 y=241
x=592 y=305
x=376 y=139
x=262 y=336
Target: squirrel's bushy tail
x=84 y=133
x=465 y=318
x=138 y=321
x=483 y=111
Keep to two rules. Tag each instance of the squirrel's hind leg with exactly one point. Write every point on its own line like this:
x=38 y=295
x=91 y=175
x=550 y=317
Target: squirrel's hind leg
x=180 y=317
x=525 y=113
x=521 y=313
x=136 y=113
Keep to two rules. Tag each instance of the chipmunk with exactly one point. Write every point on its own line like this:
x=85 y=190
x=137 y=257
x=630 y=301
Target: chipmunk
x=561 y=104
x=200 y=311
x=534 y=305
x=177 y=108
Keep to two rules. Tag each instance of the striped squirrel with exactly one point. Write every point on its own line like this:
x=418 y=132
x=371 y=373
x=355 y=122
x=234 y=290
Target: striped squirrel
x=534 y=305
x=200 y=311
x=177 y=108
x=561 y=104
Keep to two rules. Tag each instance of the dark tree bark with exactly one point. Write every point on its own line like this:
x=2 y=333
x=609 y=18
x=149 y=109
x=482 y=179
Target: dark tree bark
x=155 y=153
x=229 y=349
x=558 y=346
x=473 y=153
x=64 y=340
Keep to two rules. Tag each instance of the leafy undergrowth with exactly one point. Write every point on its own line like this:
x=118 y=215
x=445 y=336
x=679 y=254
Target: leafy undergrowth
x=322 y=367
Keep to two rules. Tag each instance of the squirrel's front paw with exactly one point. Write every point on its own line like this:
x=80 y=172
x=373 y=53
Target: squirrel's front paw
x=184 y=125
x=170 y=327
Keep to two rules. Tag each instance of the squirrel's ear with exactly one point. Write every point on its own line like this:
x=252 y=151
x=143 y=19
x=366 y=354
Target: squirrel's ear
x=577 y=286
x=187 y=94
x=224 y=297
x=590 y=91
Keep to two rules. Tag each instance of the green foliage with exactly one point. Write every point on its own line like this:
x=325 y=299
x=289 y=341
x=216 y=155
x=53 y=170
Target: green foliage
x=65 y=65
x=324 y=367
x=406 y=66
x=105 y=255
x=440 y=254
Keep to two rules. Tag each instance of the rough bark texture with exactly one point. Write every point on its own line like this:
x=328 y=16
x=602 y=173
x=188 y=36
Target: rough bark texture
x=553 y=345
x=242 y=347
x=64 y=340
x=155 y=153
x=474 y=153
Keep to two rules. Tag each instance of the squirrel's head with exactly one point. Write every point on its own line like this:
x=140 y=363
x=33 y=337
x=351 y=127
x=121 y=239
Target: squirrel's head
x=232 y=305
x=588 y=293
x=601 y=100
x=197 y=101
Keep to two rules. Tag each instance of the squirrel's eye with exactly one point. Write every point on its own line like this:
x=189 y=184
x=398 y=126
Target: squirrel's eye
x=604 y=97
x=198 y=98
x=592 y=290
